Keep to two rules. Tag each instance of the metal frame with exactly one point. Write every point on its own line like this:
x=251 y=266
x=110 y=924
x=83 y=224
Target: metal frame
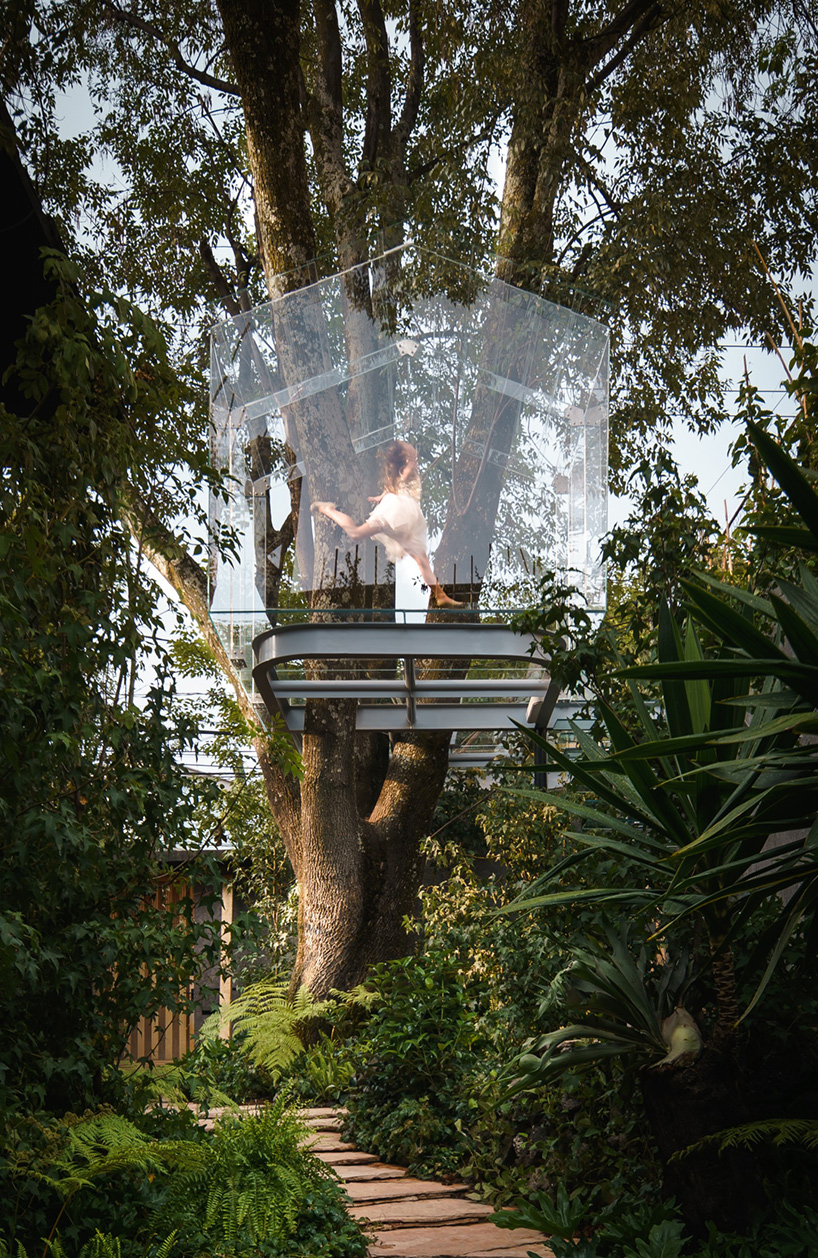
x=417 y=704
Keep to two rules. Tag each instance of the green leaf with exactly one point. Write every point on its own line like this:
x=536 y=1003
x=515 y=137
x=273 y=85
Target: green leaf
x=789 y=476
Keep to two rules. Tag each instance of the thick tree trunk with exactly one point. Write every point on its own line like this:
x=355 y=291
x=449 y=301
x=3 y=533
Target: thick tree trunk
x=684 y=1105
x=359 y=879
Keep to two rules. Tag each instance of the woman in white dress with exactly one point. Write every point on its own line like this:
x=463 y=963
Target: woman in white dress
x=397 y=521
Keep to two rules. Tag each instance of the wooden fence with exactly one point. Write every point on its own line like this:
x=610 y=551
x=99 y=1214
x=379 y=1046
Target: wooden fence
x=167 y=1036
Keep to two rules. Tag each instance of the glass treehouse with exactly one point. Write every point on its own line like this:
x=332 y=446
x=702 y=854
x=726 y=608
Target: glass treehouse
x=411 y=444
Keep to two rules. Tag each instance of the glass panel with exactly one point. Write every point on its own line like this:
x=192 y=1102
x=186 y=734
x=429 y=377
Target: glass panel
x=500 y=399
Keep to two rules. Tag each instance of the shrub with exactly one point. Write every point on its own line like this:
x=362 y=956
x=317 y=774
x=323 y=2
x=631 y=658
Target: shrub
x=260 y=1192
x=222 y=1066
x=409 y=1099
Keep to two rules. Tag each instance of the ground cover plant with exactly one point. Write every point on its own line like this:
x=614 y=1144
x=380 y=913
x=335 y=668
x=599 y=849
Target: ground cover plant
x=247 y=1187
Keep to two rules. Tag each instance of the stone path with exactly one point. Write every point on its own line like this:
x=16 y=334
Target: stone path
x=414 y=1218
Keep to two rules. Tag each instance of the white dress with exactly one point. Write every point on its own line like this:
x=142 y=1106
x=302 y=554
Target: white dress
x=401 y=525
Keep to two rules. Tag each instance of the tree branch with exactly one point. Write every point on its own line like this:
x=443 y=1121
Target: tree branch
x=218 y=279
x=414 y=83
x=148 y=28
x=326 y=109
x=188 y=579
x=559 y=19
x=378 y=130
x=418 y=172
x=614 y=205
x=329 y=48
x=640 y=17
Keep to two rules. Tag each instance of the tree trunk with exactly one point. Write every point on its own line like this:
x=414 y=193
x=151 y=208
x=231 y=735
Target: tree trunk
x=360 y=878
x=684 y=1105
x=354 y=829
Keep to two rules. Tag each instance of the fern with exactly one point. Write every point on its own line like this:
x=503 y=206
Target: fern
x=268 y=1020
x=800 y=1131
x=84 y=1149
x=101 y=1245
x=255 y=1183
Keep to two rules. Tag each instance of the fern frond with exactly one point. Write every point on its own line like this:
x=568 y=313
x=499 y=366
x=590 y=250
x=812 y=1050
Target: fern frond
x=166 y=1246
x=362 y=997
x=255 y=1184
x=162 y=1082
x=102 y=1245
x=268 y=1019
x=206 y=1094
x=778 y=1131
x=100 y=1145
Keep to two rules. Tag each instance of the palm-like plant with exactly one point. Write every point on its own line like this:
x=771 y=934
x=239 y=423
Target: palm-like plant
x=692 y=797
x=711 y=796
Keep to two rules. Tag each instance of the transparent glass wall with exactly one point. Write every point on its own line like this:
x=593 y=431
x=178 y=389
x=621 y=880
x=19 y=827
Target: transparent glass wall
x=502 y=394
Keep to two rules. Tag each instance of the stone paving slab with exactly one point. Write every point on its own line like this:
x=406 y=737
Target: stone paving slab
x=337 y=1157
x=328 y=1143
x=430 y=1213
x=411 y=1218
x=373 y=1171
x=477 y=1240
x=405 y=1189
x=323 y=1111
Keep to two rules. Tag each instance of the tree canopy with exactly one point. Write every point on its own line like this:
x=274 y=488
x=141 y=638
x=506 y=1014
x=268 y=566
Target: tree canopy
x=251 y=145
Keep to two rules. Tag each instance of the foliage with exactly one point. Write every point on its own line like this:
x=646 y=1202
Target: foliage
x=324 y=1072
x=107 y=1160
x=690 y=786
x=695 y=807
x=797 y=1131
x=634 y=1229
x=630 y=1231
x=707 y=106
x=588 y=1131
x=91 y=794
x=267 y=1020
x=216 y=1066
x=101 y=1245
x=248 y=1187
x=617 y=1016
x=409 y=1100
x=261 y=1191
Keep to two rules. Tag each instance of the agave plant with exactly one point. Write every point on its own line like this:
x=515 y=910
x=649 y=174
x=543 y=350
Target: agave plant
x=615 y=1012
